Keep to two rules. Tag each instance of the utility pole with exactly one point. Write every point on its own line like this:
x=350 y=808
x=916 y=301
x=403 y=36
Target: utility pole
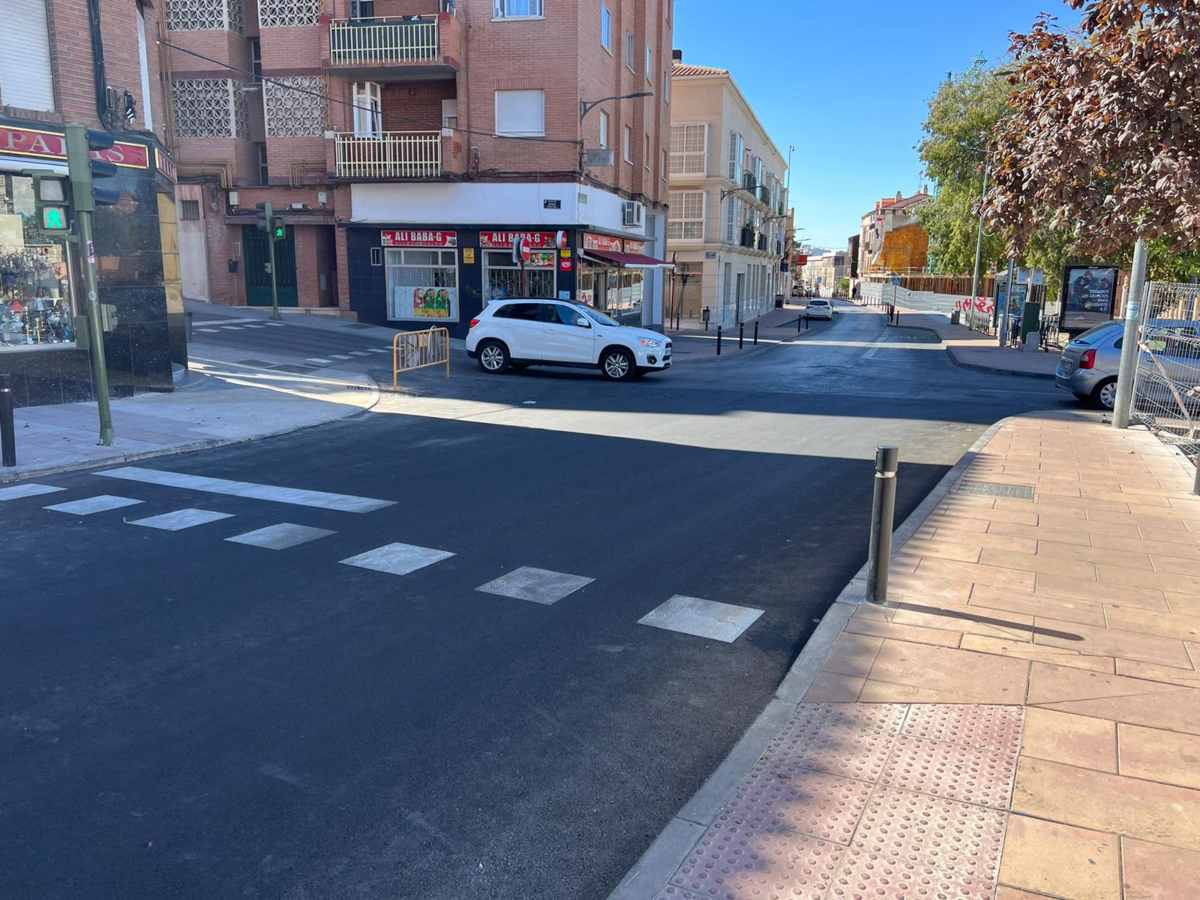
x=80 y=167
x=1002 y=320
x=987 y=169
x=1129 y=347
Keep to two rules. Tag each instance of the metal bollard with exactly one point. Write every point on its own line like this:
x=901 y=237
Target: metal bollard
x=883 y=514
x=8 y=434
x=806 y=321
x=187 y=327
x=741 y=334
x=755 y=334
x=718 y=340
x=799 y=319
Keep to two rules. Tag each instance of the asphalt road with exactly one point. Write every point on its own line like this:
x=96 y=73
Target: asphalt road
x=187 y=716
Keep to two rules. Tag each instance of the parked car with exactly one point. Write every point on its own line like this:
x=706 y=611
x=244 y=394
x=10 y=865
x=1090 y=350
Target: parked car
x=819 y=309
x=523 y=332
x=1089 y=363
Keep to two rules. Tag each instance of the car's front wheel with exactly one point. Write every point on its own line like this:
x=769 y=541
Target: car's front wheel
x=493 y=357
x=617 y=364
x=1105 y=394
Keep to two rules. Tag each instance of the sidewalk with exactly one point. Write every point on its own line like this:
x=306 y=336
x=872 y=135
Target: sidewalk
x=218 y=403
x=973 y=350
x=1022 y=720
x=775 y=324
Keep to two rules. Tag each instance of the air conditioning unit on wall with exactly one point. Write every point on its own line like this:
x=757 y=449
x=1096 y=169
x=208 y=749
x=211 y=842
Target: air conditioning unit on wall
x=635 y=214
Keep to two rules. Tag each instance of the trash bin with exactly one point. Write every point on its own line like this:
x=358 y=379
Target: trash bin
x=779 y=301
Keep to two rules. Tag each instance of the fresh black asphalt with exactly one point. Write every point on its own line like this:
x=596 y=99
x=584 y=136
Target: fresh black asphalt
x=186 y=717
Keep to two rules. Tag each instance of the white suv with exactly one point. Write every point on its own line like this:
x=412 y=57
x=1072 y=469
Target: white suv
x=519 y=333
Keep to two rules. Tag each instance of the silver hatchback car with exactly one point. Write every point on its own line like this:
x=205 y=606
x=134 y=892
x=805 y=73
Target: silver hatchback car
x=1089 y=364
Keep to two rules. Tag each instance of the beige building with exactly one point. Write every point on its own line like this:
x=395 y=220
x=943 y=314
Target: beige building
x=892 y=239
x=822 y=274
x=728 y=224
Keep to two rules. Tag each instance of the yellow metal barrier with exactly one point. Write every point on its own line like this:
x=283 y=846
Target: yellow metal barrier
x=419 y=350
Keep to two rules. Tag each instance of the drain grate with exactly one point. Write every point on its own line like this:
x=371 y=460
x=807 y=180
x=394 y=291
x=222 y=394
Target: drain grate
x=993 y=489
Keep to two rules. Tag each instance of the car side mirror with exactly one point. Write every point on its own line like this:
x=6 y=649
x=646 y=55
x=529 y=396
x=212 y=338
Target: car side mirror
x=583 y=322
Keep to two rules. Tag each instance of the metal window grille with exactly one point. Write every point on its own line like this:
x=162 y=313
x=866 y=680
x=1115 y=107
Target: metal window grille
x=1167 y=388
x=208 y=107
x=204 y=15
x=295 y=113
x=288 y=13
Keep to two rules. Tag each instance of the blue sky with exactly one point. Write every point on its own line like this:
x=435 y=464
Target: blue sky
x=848 y=85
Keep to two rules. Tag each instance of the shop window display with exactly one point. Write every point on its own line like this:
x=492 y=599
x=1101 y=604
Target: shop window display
x=422 y=284
x=503 y=276
x=35 y=286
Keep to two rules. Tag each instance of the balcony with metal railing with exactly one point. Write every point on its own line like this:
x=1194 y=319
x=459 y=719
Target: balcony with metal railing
x=396 y=47
x=389 y=155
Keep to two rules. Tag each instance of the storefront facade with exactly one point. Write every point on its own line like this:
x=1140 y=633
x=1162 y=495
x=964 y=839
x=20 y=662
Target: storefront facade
x=41 y=300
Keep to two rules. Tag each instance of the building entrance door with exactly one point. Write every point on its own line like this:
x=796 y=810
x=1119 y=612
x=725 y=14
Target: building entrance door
x=256 y=254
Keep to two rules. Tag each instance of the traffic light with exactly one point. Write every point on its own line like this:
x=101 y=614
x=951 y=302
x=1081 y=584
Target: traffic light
x=50 y=199
x=278 y=229
x=270 y=223
x=85 y=171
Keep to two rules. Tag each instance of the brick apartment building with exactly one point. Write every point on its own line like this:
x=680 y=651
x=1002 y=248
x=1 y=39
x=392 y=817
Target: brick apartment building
x=730 y=226
x=408 y=142
x=93 y=62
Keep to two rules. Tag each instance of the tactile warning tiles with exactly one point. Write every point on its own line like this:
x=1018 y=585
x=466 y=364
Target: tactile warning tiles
x=811 y=803
x=736 y=863
x=852 y=740
x=983 y=776
x=970 y=725
x=947 y=835
x=872 y=875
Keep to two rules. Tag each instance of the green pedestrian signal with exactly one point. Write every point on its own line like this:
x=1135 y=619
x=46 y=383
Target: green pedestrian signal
x=50 y=199
x=278 y=230
x=54 y=218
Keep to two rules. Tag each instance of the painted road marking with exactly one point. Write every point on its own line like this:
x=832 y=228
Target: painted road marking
x=702 y=618
x=294 y=496
x=535 y=585
x=232 y=327
x=181 y=519
x=274 y=324
x=92 y=505
x=281 y=536
x=16 y=492
x=340 y=356
x=381 y=349
x=359 y=353
x=318 y=360
x=253 y=326
x=206 y=330
x=397 y=559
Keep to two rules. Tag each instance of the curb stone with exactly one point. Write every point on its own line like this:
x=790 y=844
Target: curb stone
x=668 y=851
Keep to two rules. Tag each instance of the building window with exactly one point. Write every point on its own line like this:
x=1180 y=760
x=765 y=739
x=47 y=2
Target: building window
x=732 y=218
x=502 y=277
x=603 y=130
x=189 y=210
x=288 y=13
x=295 y=113
x=26 y=78
x=422 y=284
x=368 y=110
x=520 y=113
x=689 y=149
x=210 y=15
x=264 y=172
x=36 y=300
x=144 y=70
x=606 y=23
x=255 y=57
x=737 y=149
x=450 y=112
x=630 y=50
x=517 y=9
x=208 y=107
x=686 y=222
x=362 y=9
x=627 y=145
x=650 y=64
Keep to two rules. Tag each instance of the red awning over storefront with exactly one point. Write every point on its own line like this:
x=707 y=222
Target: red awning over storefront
x=625 y=260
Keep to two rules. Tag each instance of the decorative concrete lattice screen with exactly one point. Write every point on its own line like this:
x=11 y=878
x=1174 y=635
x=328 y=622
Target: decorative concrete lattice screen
x=209 y=107
x=295 y=105
x=288 y=13
x=204 y=15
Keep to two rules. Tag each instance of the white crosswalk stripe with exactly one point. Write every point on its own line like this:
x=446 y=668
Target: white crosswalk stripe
x=294 y=496
x=397 y=559
x=318 y=360
x=535 y=585
x=93 y=505
x=280 y=537
x=340 y=356
x=17 y=491
x=702 y=618
x=181 y=519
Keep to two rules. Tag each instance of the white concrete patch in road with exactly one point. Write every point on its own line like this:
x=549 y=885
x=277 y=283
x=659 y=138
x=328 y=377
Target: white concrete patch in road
x=381 y=349
x=17 y=491
x=281 y=536
x=92 y=505
x=397 y=559
x=206 y=330
x=702 y=618
x=253 y=326
x=181 y=519
x=535 y=585
x=318 y=360
x=274 y=324
x=340 y=356
x=359 y=353
x=294 y=496
x=232 y=327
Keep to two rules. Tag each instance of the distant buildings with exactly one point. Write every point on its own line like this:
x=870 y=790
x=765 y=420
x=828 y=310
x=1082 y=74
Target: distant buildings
x=892 y=239
x=728 y=227
x=824 y=273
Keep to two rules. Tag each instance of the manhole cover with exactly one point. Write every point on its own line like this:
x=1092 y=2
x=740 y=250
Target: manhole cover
x=992 y=489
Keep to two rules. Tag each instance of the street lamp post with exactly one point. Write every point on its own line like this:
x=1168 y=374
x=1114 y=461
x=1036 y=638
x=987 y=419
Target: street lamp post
x=586 y=106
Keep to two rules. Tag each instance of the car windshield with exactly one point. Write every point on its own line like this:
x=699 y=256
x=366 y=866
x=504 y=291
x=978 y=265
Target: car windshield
x=1095 y=335
x=596 y=316
x=817 y=303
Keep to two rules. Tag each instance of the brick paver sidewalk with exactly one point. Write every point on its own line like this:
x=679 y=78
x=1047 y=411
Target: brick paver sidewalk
x=1023 y=720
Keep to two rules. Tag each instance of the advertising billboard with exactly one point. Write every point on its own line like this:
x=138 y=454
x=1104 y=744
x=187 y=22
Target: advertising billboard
x=1088 y=296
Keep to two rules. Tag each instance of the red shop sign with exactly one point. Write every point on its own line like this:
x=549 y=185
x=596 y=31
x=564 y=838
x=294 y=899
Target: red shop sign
x=439 y=239
x=51 y=145
x=637 y=247
x=503 y=240
x=601 y=242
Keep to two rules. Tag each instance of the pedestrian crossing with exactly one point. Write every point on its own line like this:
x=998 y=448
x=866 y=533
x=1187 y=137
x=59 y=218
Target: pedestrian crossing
x=691 y=616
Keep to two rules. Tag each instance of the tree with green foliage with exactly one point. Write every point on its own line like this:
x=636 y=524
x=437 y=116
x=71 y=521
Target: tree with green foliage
x=961 y=118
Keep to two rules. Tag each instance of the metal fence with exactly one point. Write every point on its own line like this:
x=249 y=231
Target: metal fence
x=413 y=350
x=1166 y=395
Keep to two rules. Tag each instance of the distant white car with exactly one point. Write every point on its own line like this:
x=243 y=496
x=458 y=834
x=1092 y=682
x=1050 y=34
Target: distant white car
x=819 y=309
x=519 y=333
